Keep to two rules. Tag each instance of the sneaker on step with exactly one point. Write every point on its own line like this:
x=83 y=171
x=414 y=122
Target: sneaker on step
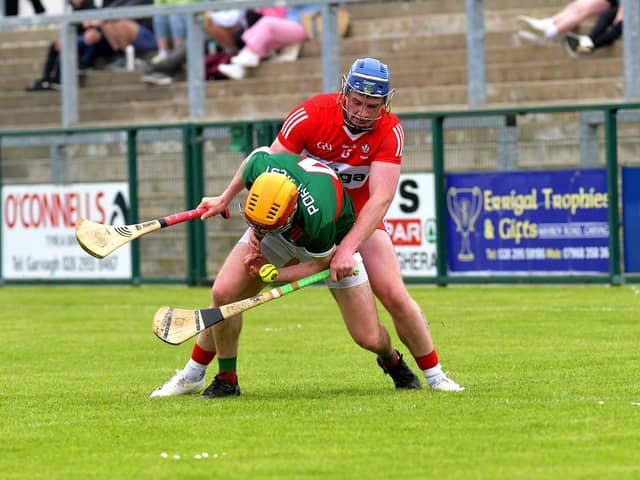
x=159 y=57
x=533 y=38
x=577 y=45
x=233 y=71
x=536 y=24
x=220 y=388
x=157 y=78
x=39 y=86
x=442 y=383
x=246 y=58
x=179 y=384
x=290 y=53
x=402 y=376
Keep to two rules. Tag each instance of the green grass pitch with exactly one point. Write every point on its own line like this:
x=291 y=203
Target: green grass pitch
x=552 y=376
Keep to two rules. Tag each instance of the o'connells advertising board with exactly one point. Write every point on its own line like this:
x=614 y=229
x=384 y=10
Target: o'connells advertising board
x=38 y=236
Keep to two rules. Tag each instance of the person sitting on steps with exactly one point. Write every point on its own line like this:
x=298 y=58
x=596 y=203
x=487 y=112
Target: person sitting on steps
x=606 y=31
x=571 y=16
x=50 y=79
x=266 y=36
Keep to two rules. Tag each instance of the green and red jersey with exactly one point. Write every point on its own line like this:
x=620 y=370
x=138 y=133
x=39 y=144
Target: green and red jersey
x=325 y=212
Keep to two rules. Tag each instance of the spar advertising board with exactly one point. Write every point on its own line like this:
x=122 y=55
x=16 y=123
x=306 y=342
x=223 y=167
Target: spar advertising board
x=411 y=222
x=38 y=236
x=543 y=222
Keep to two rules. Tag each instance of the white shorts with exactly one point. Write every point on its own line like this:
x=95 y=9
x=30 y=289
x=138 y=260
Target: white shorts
x=279 y=251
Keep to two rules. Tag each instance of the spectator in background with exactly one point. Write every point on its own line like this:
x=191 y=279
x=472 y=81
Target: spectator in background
x=606 y=30
x=224 y=29
x=170 y=30
x=565 y=20
x=50 y=79
x=222 y=26
x=121 y=33
x=11 y=7
x=265 y=37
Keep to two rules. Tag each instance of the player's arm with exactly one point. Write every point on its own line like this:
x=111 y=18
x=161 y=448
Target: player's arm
x=216 y=205
x=277 y=147
x=291 y=272
x=296 y=272
x=383 y=181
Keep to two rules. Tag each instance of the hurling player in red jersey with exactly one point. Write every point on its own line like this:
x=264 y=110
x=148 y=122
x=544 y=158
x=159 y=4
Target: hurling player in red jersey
x=354 y=133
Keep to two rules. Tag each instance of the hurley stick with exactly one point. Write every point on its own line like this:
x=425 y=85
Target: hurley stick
x=176 y=325
x=100 y=240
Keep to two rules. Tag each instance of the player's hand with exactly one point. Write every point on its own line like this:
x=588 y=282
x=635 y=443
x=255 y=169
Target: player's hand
x=252 y=263
x=342 y=265
x=254 y=241
x=214 y=206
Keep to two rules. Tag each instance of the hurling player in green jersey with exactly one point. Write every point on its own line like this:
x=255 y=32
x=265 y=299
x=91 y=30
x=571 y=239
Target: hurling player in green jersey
x=297 y=211
x=325 y=213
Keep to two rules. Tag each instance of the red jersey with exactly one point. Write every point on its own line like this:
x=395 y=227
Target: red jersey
x=316 y=129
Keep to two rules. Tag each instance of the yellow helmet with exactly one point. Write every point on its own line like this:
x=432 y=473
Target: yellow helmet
x=271 y=203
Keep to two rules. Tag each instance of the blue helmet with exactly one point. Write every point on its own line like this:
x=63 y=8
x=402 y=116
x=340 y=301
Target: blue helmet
x=368 y=76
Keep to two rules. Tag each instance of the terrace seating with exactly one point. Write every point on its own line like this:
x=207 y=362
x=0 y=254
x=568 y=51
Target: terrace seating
x=422 y=41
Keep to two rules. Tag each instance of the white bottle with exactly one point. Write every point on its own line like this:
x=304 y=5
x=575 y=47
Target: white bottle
x=130 y=56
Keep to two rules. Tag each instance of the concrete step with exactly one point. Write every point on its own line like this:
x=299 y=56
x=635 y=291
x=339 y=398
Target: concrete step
x=138 y=92
x=452 y=7
x=26 y=35
x=227 y=105
x=403 y=54
x=424 y=44
x=402 y=43
x=557 y=91
x=442 y=22
x=94 y=78
x=403 y=8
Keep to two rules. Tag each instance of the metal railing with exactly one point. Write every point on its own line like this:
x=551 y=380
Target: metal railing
x=476 y=58
x=170 y=167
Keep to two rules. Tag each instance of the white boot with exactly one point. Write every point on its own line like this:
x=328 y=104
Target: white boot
x=439 y=382
x=179 y=384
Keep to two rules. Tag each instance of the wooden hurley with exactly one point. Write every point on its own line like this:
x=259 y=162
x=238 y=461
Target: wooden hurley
x=100 y=240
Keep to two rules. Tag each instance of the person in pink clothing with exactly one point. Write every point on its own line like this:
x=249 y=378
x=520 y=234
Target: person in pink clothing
x=267 y=35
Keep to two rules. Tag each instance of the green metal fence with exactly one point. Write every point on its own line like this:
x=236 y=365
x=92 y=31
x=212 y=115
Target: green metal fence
x=169 y=167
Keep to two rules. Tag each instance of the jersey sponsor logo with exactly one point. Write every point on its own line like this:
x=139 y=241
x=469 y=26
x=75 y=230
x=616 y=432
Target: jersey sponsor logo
x=307 y=200
x=312 y=165
x=347 y=150
x=404 y=231
x=350 y=176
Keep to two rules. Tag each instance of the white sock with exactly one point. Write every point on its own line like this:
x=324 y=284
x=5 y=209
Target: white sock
x=550 y=29
x=194 y=371
x=586 y=42
x=536 y=23
x=433 y=374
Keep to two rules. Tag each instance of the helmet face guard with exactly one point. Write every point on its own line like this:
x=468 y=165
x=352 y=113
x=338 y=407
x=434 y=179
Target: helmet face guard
x=271 y=202
x=370 y=78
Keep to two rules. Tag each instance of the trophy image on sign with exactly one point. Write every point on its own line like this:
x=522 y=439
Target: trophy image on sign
x=465 y=205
